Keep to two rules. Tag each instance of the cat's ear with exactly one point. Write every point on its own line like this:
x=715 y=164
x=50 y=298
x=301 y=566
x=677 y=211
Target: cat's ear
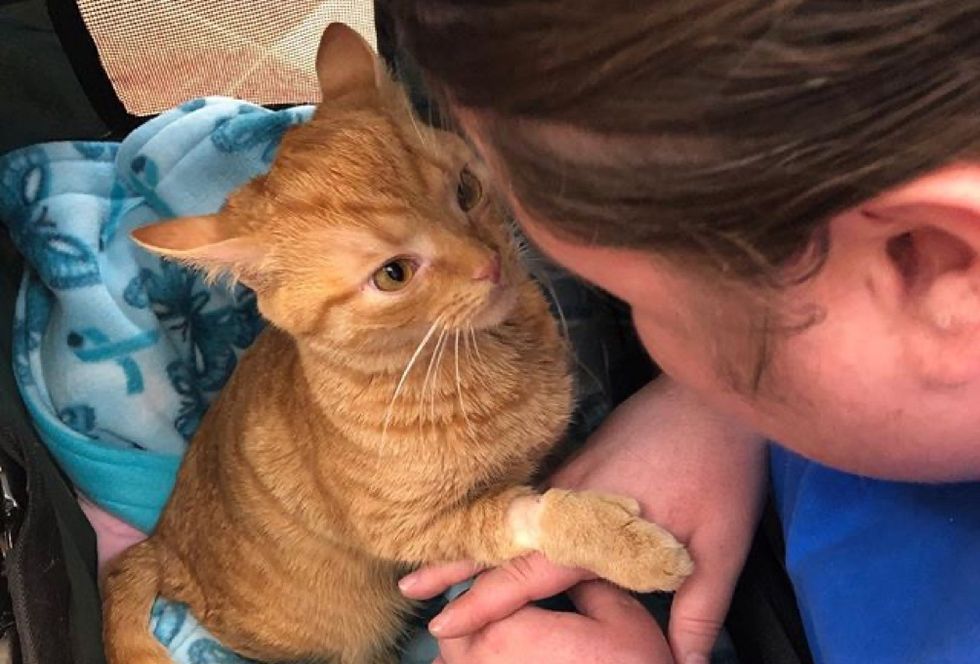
x=346 y=64
x=205 y=243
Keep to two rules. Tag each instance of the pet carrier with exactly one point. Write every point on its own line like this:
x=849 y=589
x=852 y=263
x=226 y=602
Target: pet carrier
x=90 y=70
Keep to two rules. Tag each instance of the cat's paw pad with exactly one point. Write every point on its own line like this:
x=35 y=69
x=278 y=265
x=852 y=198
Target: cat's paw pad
x=651 y=559
x=603 y=533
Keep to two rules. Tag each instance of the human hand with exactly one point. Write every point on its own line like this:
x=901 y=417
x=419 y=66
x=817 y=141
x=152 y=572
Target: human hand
x=695 y=473
x=611 y=627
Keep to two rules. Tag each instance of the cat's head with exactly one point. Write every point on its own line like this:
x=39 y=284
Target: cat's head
x=369 y=225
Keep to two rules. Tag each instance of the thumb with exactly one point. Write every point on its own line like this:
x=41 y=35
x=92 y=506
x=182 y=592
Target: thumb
x=605 y=602
x=620 y=619
x=698 y=612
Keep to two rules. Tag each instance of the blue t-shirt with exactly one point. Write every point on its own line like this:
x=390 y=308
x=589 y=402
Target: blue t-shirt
x=884 y=572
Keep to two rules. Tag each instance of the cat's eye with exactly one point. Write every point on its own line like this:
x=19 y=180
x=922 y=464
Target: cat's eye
x=469 y=191
x=394 y=275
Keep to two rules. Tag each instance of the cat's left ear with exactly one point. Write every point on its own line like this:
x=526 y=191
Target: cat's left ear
x=208 y=244
x=346 y=64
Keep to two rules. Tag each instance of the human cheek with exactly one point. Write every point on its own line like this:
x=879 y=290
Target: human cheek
x=840 y=403
x=692 y=360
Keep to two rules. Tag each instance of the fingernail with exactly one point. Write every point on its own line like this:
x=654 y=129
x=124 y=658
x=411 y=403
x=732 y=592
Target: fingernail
x=408 y=582
x=696 y=658
x=440 y=623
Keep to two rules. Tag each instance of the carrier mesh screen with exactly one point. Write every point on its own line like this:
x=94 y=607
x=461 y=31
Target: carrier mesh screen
x=159 y=53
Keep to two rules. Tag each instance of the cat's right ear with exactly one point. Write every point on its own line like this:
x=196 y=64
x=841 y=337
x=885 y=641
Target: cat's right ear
x=205 y=243
x=346 y=64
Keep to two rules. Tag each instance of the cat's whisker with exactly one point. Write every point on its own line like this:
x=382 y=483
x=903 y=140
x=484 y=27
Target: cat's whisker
x=546 y=280
x=475 y=362
x=435 y=351
x=418 y=131
x=476 y=345
x=467 y=341
x=411 y=116
x=459 y=388
x=543 y=277
x=402 y=379
x=428 y=375
x=432 y=373
x=442 y=348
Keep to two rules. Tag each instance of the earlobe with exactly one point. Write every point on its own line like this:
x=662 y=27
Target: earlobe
x=953 y=305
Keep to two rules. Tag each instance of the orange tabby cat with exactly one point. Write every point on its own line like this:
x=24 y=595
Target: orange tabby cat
x=391 y=415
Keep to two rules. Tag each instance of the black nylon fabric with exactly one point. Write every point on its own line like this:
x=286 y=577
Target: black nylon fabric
x=52 y=567
x=40 y=98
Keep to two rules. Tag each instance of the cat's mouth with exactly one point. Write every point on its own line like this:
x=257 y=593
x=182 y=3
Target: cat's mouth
x=499 y=305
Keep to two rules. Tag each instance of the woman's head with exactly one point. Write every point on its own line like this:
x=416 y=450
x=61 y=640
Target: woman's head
x=750 y=175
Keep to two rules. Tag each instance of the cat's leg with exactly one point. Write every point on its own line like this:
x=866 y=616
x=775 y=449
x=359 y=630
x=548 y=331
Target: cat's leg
x=477 y=529
x=598 y=532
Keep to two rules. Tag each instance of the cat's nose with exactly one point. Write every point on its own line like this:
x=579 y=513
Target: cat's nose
x=490 y=271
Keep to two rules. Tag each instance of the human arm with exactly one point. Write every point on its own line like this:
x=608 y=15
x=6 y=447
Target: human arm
x=695 y=472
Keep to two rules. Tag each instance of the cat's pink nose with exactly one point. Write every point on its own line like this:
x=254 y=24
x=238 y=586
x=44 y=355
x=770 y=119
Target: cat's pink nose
x=490 y=271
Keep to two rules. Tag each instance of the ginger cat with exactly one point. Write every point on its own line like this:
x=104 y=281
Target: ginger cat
x=391 y=415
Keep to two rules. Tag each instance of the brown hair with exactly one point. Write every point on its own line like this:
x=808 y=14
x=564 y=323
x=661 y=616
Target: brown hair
x=742 y=125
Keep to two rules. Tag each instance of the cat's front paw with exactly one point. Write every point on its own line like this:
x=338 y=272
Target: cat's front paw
x=604 y=533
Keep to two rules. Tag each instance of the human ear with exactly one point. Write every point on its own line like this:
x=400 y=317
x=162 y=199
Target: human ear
x=927 y=235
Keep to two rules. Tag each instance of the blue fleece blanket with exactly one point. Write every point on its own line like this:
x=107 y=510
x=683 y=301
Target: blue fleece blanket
x=117 y=352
